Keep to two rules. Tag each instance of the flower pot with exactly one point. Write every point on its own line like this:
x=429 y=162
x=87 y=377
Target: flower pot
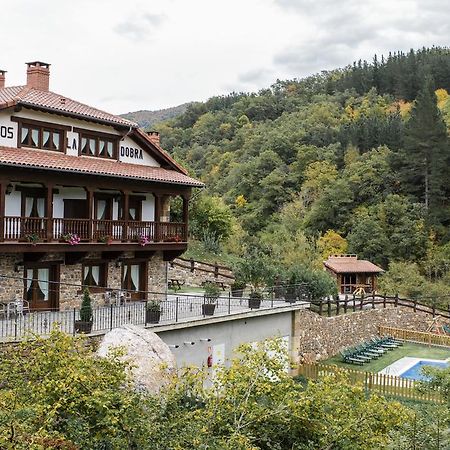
x=152 y=316
x=237 y=292
x=208 y=309
x=83 y=327
x=254 y=302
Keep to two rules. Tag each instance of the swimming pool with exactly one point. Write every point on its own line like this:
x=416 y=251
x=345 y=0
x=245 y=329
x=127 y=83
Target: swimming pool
x=415 y=372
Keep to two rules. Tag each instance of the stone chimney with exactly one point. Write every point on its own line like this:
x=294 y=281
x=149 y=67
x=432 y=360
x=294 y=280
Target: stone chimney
x=2 y=78
x=154 y=137
x=38 y=75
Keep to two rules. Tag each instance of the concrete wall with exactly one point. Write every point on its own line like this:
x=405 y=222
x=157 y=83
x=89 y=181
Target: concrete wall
x=319 y=337
x=225 y=336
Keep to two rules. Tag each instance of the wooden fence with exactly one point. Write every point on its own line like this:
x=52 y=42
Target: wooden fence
x=389 y=385
x=415 y=336
x=353 y=303
x=215 y=269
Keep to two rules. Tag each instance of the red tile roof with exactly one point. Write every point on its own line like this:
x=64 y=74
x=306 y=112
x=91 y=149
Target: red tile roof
x=50 y=160
x=50 y=101
x=350 y=264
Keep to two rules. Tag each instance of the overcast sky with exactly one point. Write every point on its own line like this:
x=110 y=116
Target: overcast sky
x=128 y=55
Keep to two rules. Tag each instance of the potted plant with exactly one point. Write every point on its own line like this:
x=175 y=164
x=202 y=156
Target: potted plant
x=254 y=300
x=71 y=238
x=143 y=240
x=32 y=238
x=105 y=239
x=84 y=325
x=212 y=292
x=237 y=288
x=153 y=312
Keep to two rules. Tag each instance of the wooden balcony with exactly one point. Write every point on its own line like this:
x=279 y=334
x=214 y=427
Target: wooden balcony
x=33 y=230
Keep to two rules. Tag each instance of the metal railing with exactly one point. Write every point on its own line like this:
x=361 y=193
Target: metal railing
x=173 y=309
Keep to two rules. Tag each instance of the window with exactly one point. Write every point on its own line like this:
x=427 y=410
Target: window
x=41 y=286
x=94 y=275
x=93 y=144
x=133 y=279
x=41 y=136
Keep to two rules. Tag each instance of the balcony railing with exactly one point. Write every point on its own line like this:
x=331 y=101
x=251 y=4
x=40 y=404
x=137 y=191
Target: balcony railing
x=33 y=229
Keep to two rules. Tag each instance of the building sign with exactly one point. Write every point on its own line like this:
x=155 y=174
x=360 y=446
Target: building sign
x=131 y=152
x=6 y=132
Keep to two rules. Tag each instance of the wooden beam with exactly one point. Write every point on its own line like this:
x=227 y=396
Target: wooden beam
x=111 y=255
x=71 y=258
x=3 y=187
x=170 y=255
x=49 y=211
x=145 y=254
x=33 y=257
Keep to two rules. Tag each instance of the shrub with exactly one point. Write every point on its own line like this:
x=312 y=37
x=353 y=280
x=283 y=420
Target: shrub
x=86 y=307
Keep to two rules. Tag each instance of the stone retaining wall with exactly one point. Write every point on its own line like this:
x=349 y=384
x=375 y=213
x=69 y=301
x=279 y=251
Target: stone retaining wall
x=200 y=274
x=321 y=337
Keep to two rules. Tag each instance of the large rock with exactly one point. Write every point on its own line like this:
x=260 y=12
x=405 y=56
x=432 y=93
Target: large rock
x=151 y=357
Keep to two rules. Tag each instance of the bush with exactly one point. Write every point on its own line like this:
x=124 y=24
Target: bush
x=86 y=307
x=320 y=283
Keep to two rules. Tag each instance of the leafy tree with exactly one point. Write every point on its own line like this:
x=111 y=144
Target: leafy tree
x=211 y=215
x=332 y=243
x=55 y=395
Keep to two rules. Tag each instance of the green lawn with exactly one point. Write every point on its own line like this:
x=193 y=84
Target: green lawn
x=187 y=290
x=408 y=349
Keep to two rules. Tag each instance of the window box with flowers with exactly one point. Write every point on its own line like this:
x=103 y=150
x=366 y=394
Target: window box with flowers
x=105 y=239
x=71 y=238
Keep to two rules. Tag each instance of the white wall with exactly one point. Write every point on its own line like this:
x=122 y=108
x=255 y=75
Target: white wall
x=13 y=203
x=129 y=151
x=148 y=208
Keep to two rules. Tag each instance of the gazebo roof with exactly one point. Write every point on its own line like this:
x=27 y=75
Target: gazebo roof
x=350 y=264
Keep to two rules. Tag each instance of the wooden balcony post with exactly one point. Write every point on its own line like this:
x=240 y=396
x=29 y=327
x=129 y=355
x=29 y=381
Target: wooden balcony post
x=90 y=207
x=185 y=216
x=125 y=214
x=3 y=187
x=157 y=217
x=49 y=211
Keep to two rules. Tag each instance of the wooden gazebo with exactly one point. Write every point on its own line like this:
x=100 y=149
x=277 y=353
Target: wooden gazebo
x=353 y=274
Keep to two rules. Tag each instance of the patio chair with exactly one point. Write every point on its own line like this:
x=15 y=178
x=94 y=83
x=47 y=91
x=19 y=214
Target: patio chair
x=22 y=306
x=3 y=310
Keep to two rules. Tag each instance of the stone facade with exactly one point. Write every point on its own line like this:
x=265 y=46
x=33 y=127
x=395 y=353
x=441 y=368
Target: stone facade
x=70 y=291
x=11 y=283
x=319 y=337
x=199 y=274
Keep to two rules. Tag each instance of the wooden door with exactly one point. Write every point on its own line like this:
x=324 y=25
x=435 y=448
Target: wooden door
x=75 y=209
x=133 y=279
x=40 y=292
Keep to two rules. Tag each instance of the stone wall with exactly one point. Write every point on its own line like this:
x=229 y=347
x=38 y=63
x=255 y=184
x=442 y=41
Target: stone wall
x=10 y=283
x=70 y=291
x=201 y=273
x=320 y=337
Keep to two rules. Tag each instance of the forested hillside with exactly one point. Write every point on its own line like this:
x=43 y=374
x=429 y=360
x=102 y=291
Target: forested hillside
x=352 y=160
x=146 y=118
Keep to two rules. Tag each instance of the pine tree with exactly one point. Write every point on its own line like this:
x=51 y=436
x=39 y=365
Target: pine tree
x=426 y=151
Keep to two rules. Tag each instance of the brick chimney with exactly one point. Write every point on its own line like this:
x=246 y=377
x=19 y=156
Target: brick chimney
x=154 y=137
x=2 y=78
x=38 y=75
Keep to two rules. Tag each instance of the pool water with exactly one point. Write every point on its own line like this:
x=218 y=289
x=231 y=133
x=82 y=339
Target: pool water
x=415 y=372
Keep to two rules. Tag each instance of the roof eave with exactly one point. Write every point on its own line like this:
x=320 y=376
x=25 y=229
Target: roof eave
x=80 y=172
x=75 y=115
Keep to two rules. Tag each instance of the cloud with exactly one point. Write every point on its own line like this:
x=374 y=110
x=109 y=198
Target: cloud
x=140 y=27
x=349 y=30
